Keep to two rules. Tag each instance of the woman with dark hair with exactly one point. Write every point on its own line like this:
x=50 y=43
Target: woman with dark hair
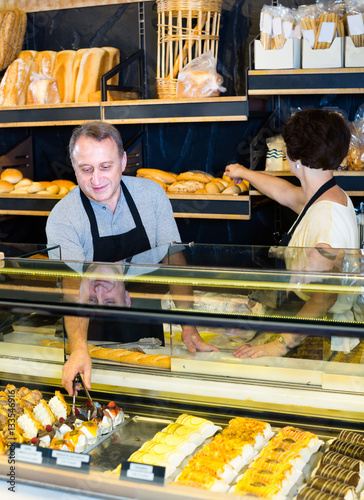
x=317 y=142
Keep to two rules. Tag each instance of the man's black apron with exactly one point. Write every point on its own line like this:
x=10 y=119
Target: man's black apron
x=113 y=249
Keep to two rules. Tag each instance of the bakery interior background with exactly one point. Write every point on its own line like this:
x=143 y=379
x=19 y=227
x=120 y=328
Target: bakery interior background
x=173 y=147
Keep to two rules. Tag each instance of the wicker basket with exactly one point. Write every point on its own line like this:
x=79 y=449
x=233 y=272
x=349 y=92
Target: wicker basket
x=186 y=29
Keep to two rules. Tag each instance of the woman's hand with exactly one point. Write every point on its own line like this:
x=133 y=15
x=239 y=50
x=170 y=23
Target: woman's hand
x=274 y=348
x=235 y=171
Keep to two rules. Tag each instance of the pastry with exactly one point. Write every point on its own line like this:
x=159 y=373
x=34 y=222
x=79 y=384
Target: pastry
x=28 y=424
x=179 y=442
x=142 y=457
x=187 y=433
x=76 y=441
x=115 y=413
x=205 y=427
x=45 y=436
x=346 y=448
x=332 y=487
x=352 y=437
x=333 y=458
x=59 y=407
x=91 y=431
x=59 y=444
x=204 y=480
x=338 y=474
x=61 y=428
x=163 y=452
x=308 y=493
x=43 y=414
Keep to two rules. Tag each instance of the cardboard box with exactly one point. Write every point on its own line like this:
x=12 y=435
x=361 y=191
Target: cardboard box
x=332 y=57
x=287 y=57
x=354 y=56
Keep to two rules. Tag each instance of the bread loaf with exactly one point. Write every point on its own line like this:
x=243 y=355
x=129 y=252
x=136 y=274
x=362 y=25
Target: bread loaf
x=161 y=183
x=62 y=72
x=92 y=63
x=21 y=190
x=113 y=59
x=6 y=30
x=22 y=29
x=12 y=43
x=12 y=175
x=75 y=70
x=195 y=176
x=234 y=189
x=46 y=60
x=63 y=183
x=53 y=188
x=185 y=187
x=120 y=355
x=212 y=188
x=63 y=190
x=14 y=85
x=161 y=175
x=5 y=186
x=35 y=187
x=23 y=183
x=43 y=91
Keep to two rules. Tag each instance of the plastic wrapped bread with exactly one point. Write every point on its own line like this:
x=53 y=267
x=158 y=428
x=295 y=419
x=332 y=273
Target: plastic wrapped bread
x=14 y=85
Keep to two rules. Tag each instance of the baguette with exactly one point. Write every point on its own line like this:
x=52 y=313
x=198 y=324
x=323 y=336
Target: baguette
x=161 y=175
x=92 y=63
x=62 y=72
x=195 y=176
x=22 y=29
x=46 y=60
x=161 y=183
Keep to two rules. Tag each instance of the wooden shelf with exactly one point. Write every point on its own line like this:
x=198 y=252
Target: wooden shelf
x=176 y=110
x=306 y=81
x=46 y=5
x=191 y=206
x=127 y=112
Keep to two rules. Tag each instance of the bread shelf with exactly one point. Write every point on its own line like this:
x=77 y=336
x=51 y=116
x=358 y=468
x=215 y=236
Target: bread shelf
x=128 y=112
x=192 y=206
x=306 y=81
x=46 y=5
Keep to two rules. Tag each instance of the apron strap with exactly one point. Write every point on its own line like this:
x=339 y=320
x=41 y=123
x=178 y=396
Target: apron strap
x=325 y=187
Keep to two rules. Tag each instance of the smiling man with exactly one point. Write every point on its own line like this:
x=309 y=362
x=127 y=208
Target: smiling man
x=109 y=218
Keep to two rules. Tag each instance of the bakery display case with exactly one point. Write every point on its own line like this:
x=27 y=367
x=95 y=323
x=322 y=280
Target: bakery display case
x=143 y=371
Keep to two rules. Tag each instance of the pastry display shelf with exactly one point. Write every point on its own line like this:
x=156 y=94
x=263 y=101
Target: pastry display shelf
x=351 y=181
x=128 y=112
x=306 y=81
x=211 y=206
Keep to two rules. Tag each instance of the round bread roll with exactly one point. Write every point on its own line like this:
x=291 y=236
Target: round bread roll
x=63 y=190
x=53 y=189
x=11 y=175
x=23 y=183
x=5 y=186
x=72 y=187
x=195 y=176
x=46 y=184
x=220 y=183
x=243 y=186
x=22 y=190
x=35 y=187
x=185 y=187
x=212 y=188
x=63 y=183
x=201 y=191
x=234 y=189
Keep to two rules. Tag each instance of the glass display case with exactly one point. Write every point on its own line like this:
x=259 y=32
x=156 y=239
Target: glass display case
x=137 y=315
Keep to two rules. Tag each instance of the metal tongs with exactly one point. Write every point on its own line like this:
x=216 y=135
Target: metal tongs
x=78 y=380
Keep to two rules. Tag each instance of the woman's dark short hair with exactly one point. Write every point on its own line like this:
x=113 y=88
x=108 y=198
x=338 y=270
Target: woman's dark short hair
x=319 y=138
x=98 y=131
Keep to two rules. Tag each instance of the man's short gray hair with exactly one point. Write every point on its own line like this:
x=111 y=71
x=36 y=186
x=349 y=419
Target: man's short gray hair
x=99 y=131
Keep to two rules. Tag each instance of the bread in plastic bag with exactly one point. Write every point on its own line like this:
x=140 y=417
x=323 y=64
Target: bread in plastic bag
x=276 y=155
x=199 y=78
x=43 y=89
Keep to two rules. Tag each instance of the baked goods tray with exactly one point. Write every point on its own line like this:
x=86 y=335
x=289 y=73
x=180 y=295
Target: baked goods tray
x=118 y=445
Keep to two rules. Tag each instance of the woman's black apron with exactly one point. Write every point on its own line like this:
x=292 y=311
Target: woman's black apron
x=113 y=249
